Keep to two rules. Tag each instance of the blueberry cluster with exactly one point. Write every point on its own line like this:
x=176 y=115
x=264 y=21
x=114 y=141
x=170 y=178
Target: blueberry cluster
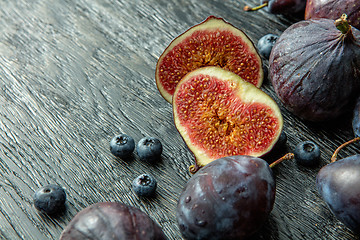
x=148 y=149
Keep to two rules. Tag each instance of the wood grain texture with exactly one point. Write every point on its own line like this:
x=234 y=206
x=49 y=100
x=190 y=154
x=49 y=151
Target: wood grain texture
x=75 y=73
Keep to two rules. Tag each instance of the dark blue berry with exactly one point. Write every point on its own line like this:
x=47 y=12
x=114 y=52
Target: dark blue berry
x=122 y=145
x=50 y=199
x=149 y=149
x=144 y=185
x=307 y=153
x=265 y=44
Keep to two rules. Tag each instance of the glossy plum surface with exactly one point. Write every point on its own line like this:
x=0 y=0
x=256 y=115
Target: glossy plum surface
x=230 y=198
x=285 y=6
x=356 y=119
x=339 y=185
x=112 y=221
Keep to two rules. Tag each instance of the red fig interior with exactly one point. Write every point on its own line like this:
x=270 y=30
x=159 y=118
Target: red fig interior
x=213 y=42
x=219 y=114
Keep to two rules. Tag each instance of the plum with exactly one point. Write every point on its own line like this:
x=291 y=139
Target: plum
x=112 y=220
x=339 y=185
x=356 y=118
x=229 y=198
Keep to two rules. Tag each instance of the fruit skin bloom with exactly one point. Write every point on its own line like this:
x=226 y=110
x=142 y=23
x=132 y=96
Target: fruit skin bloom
x=50 y=199
x=149 y=149
x=122 y=145
x=144 y=185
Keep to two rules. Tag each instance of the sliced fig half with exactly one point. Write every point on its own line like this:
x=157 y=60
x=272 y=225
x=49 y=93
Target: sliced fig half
x=214 y=42
x=218 y=114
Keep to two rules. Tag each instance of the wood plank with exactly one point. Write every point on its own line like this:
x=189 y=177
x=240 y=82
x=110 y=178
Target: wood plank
x=75 y=73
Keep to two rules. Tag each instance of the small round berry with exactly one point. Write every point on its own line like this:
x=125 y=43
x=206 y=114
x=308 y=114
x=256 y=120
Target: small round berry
x=281 y=141
x=149 y=149
x=144 y=185
x=307 y=153
x=265 y=44
x=122 y=145
x=50 y=199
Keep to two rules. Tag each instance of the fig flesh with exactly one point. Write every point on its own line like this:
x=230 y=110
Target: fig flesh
x=112 y=221
x=314 y=68
x=332 y=9
x=218 y=114
x=230 y=198
x=214 y=42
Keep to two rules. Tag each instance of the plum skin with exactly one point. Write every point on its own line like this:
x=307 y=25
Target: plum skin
x=112 y=221
x=339 y=185
x=229 y=198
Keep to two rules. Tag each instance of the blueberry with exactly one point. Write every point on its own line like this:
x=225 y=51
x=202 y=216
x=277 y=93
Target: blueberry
x=307 y=153
x=50 y=199
x=122 y=145
x=266 y=43
x=144 y=185
x=149 y=149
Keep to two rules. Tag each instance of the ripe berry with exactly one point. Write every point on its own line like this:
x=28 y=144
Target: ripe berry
x=265 y=44
x=149 y=149
x=144 y=185
x=50 y=199
x=307 y=153
x=122 y=145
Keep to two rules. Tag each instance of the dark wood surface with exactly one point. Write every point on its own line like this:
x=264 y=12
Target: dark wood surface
x=75 y=73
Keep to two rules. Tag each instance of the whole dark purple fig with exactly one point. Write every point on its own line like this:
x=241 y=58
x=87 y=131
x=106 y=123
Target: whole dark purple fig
x=112 y=221
x=332 y=9
x=315 y=68
x=229 y=198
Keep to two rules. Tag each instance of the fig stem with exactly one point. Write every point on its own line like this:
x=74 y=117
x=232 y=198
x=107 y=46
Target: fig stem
x=287 y=156
x=342 y=24
x=334 y=156
x=248 y=8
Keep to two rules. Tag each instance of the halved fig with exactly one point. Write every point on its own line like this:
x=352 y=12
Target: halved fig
x=218 y=114
x=214 y=42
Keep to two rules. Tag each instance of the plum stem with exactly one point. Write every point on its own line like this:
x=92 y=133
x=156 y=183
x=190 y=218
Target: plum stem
x=194 y=168
x=342 y=24
x=334 y=156
x=287 y=156
x=248 y=8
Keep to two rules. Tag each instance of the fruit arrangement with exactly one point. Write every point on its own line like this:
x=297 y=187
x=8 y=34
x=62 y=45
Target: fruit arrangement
x=212 y=75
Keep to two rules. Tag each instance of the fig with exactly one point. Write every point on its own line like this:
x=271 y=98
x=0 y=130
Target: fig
x=230 y=198
x=111 y=221
x=314 y=68
x=213 y=42
x=285 y=7
x=218 y=114
x=332 y=9
x=339 y=185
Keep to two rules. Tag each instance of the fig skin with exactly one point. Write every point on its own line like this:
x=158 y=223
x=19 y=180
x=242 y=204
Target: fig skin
x=315 y=69
x=218 y=114
x=213 y=42
x=332 y=9
x=112 y=221
x=230 y=198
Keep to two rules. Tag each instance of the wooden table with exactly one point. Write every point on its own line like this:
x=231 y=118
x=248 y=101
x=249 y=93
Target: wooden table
x=73 y=74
